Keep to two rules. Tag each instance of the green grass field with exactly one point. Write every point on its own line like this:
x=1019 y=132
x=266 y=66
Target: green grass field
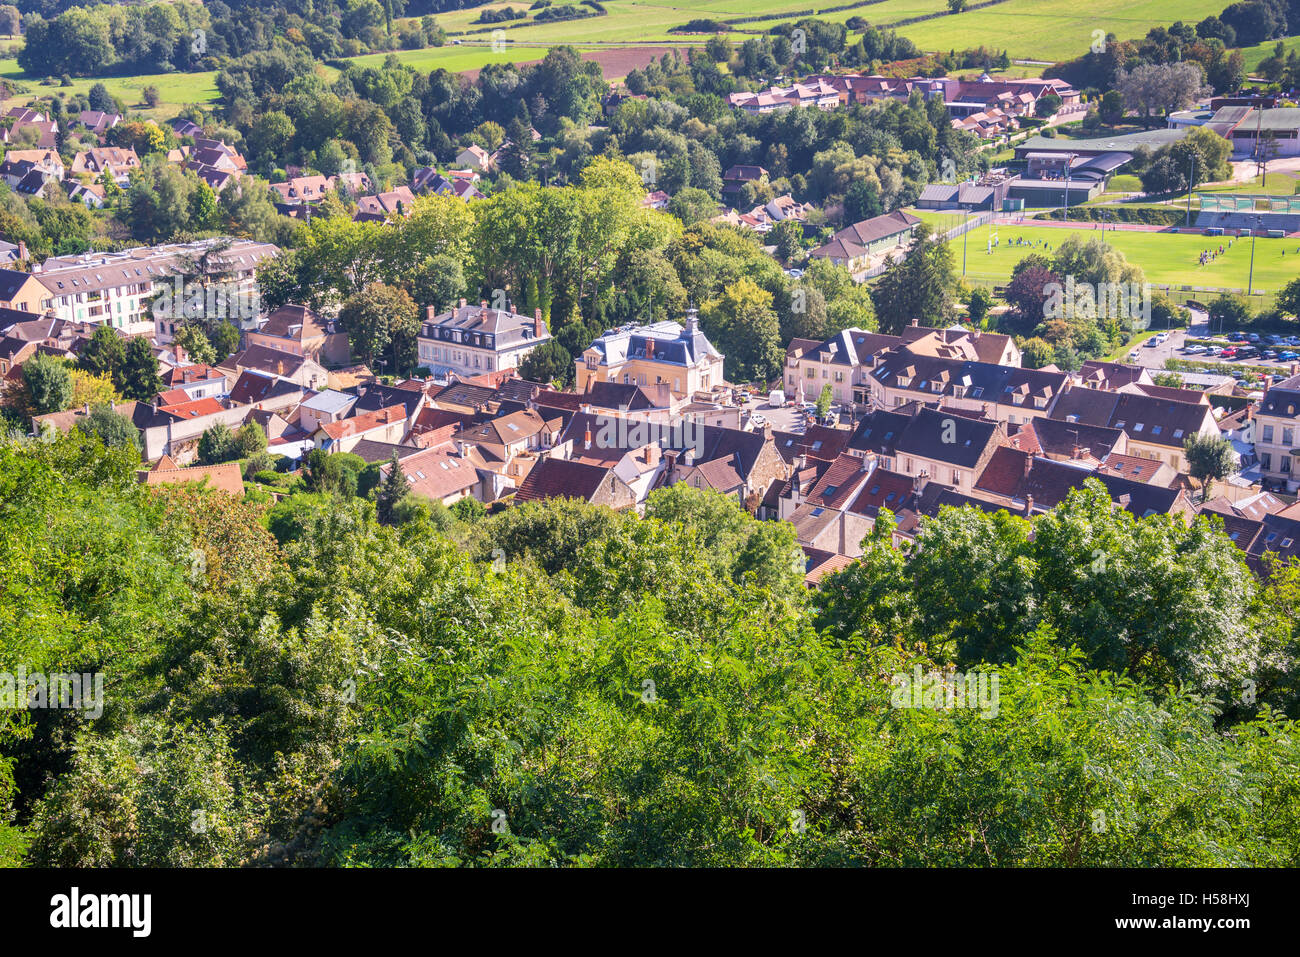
x=177 y=89
x=1166 y=258
x=1027 y=29
x=1262 y=51
x=1052 y=29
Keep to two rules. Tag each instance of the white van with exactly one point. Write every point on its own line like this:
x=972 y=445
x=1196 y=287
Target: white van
x=777 y=399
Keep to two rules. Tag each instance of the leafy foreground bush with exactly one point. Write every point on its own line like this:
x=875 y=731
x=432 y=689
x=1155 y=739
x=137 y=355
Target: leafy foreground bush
x=366 y=695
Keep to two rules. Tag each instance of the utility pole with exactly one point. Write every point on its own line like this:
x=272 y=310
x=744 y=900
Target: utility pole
x=1191 y=179
x=1254 y=233
x=1065 y=200
x=964 y=233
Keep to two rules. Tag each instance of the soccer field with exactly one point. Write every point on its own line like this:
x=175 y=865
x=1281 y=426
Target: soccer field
x=1166 y=258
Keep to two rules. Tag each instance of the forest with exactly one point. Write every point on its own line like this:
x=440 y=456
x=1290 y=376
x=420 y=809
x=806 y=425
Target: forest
x=298 y=683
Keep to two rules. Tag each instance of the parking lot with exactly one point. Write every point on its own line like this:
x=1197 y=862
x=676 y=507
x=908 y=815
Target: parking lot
x=787 y=418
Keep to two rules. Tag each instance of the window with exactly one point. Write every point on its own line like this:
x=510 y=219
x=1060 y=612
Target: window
x=1266 y=460
x=1155 y=430
x=1286 y=437
x=1178 y=433
x=1137 y=427
x=1268 y=433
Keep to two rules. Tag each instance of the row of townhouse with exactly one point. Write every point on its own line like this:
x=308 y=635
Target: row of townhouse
x=116 y=289
x=984 y=106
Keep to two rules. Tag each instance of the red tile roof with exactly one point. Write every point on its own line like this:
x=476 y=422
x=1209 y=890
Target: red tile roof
x=364 y=422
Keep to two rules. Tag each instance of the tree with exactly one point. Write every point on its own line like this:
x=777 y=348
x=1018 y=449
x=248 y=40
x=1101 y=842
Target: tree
x=248 y=440
x=138 y=375
x=1047 y=105
x=48 y=384
x=217 y=445
x=919 y=287
x=10 y=20
x=116 y=431
x=1209 y=457
x=787 y=236
x=1228 y=312
x=1153 y=87
x=742 y=325
x=1288 y=298
x=192 y=338
x=825 y=400
x=92 y=390
x=1111 y=107
x=379 y=318
x=549 y=362
x=104 y=354
x=977 y=307
x=392 y=490
x=152 y=97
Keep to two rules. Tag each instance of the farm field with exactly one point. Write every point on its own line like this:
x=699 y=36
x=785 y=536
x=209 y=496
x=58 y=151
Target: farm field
x=1052 y=29
x=1166 y=258
x=1028 y=29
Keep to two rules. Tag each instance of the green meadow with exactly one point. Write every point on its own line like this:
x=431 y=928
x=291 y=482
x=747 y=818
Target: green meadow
x=1050 y=29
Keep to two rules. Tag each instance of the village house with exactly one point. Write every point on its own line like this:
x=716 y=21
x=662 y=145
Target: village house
x=1156 y=427
x=117 y=162
x=854 y=246
x=1277 y=427
x=471 y=339
x=298 y=329
x=679 y=356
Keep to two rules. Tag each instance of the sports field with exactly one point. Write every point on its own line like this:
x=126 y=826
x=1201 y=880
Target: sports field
x=1166 y=258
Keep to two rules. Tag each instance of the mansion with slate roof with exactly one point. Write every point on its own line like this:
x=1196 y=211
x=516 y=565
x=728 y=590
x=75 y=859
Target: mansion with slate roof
x=471 y=340
x=665 y=353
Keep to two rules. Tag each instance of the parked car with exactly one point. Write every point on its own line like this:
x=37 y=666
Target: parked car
x=1288 y=355
x=1229 y=353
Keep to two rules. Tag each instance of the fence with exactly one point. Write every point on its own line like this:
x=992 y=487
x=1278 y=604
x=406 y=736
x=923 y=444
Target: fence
x=975 y=221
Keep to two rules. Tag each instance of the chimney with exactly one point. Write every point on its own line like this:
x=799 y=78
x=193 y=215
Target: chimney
x=1029 y=505
x=179 y=352
x=22 y=249
x=670 y=460
x=1029 y=464
x=430 y=312
x=539 y=325
x=800 y=462
x=692 y=321
x=920 y=481
x=652 y=453
x=586 y=444
x=650 y=348
x=688 y=456
x=462 y=302
x=916 y=322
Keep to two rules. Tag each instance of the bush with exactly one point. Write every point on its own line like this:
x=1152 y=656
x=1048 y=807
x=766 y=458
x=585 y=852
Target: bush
x=1229 y=312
